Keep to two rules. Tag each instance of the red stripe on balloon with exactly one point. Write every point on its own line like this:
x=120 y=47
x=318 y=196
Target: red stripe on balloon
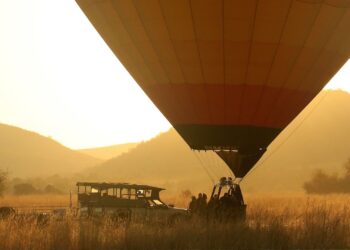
x=219 y=104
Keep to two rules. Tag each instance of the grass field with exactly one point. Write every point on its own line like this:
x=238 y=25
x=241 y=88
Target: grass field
x=273 y=222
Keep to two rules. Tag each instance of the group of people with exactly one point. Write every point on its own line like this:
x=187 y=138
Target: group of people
x=216 y=206
x=198 y=205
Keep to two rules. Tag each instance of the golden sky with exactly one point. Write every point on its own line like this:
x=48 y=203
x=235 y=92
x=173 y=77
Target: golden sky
x=58 y=78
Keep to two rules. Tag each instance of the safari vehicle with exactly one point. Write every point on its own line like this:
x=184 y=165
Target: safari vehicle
x=124 y=201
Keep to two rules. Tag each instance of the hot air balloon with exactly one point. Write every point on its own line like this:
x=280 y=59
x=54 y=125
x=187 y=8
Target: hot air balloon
x=229 y=75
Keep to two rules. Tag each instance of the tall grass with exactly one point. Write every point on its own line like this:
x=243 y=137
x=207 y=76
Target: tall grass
x=272 y=223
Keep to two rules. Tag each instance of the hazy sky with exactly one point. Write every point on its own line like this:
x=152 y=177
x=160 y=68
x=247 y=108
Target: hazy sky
x=58 y=78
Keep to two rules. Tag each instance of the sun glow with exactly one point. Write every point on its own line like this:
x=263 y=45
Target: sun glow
x=341 y=80
x=60 y=79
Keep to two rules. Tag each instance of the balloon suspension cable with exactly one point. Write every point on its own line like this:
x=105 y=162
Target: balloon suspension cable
x=209 y=163
x=215 y=165
x=204 y=167
x=288 y=137
x=227 y=171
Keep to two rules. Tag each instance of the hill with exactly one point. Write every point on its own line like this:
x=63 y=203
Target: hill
x=28 y=154
x=106 y=153
x=317 y=139
x=165 y=161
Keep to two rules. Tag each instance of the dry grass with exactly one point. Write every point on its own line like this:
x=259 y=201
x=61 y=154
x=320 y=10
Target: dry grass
x=273 y=222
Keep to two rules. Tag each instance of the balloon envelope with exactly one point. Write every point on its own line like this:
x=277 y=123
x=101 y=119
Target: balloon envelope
x=227 y=74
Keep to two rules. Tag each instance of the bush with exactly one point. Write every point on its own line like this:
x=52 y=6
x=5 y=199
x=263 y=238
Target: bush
x=322 y=183
x=24 y=189
x=50 y=189
x=3 y=178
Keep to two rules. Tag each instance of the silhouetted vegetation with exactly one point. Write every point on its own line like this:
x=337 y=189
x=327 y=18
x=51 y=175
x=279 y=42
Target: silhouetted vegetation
x=3 y=178
x=50 y=189
x=50 y=185
x=29 y=189
x=24 y=189
x=272 y=223
x=322 y=183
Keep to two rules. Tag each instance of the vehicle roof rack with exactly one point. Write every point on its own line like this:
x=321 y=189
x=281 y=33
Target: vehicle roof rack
x=106 y=185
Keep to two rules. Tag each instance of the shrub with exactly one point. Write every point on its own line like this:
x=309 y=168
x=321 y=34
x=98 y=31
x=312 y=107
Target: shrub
x=24 y=189
x=3 y=178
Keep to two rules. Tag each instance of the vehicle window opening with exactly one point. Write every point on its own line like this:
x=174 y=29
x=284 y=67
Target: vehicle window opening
x=110 y=192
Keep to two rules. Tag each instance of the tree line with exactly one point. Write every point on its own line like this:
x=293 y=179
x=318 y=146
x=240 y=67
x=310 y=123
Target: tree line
x=323 y=183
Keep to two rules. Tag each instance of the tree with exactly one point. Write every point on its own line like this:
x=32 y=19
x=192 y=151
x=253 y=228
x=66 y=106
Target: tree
x=50 y=189
x=3 y=178
x=322 y=183
x=24 y=189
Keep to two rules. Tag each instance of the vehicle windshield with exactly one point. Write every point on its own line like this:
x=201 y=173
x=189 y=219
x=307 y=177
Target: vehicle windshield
x=158 y=202
x=155 y=203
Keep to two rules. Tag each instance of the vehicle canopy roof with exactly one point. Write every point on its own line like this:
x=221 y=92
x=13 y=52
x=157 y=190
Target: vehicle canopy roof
x=107 y=185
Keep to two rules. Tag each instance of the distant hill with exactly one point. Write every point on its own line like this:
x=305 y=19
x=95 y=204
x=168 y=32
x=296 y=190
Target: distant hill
x=106 y=153
x=165 y=161
x=319 y=139
x=28 y=154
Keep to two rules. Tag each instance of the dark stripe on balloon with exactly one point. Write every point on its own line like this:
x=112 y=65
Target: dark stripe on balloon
x=244 y=138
